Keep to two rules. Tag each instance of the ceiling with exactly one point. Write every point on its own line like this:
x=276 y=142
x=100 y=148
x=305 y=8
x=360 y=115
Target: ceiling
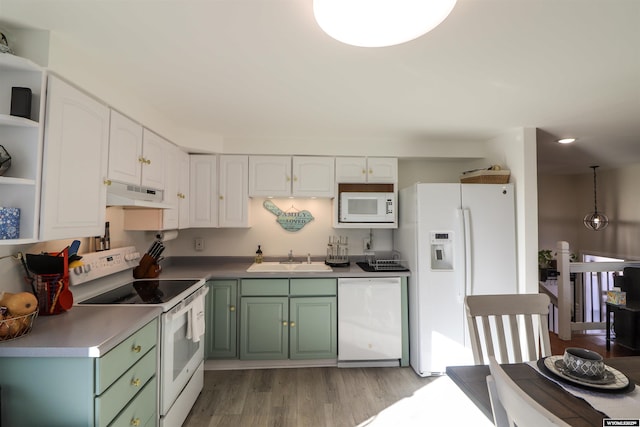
x=264 y=69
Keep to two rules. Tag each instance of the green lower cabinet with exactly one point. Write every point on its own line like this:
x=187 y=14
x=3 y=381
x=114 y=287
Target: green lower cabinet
x=264 y=328
x=221 y=329
x=313 y=328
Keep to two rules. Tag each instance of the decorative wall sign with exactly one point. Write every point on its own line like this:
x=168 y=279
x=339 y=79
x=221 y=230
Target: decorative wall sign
x=291 y=220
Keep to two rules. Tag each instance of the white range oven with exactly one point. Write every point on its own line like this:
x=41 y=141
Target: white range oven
x=106 y=278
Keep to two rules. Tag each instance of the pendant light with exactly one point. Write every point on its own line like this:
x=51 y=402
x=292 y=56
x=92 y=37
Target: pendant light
x=595 y=220
x=378 y=23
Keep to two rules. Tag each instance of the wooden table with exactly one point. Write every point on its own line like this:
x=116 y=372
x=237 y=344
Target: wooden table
x=575 y=411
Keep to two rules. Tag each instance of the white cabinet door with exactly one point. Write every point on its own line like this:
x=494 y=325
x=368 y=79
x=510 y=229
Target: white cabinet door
x=75 y=164
x=313 y=176
x=171 y=217
x=269 y=176
x=362 y=169
x=382 y=169
x=183 y=189
x=203 y=208
x=234 y=191
x=154 y=154
x=351 y=169
x=125 y=149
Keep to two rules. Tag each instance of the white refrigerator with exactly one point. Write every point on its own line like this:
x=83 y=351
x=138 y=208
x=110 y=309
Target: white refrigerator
x=458 y=239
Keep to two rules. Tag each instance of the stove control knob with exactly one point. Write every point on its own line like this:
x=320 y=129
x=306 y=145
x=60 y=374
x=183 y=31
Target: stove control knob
x=87 y=268
x=78 y=270
x=132 y=256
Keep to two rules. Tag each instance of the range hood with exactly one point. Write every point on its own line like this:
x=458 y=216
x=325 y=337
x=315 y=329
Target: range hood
x=119 y=194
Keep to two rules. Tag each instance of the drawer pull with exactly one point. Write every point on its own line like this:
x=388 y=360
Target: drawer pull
x=293 y=324
x=232 y=308
x=136 y=348
x=285 y=323
x=135 y=421
x=136 y=382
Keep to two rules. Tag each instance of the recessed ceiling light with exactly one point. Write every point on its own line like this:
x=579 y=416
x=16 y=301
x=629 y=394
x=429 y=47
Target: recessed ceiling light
x=566 y=140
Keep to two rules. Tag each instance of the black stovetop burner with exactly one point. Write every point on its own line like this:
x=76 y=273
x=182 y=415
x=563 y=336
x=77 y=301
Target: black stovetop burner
x=146 y=291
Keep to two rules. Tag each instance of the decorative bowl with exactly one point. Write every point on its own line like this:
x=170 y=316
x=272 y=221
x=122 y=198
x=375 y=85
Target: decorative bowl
x=583 y=363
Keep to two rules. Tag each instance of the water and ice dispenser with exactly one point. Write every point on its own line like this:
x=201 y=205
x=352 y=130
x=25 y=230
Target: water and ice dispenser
x=441 y=250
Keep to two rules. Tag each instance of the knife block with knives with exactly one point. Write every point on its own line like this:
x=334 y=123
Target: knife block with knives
x=149 y=267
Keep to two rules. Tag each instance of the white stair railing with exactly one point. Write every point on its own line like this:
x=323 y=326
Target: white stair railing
x=566 y=302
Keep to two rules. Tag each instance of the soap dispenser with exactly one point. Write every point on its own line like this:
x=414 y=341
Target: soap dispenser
x=259 y=255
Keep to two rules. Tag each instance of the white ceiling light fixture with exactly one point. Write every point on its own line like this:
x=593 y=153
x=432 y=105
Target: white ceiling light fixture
x=595 y=220
x=566 y=140
x=379 y=23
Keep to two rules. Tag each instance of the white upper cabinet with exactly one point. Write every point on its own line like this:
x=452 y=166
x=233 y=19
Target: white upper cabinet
x=137 y=156
x=203 y=206
x=154 y=154
x=283 y=176
x=183 y=189
x=313 y=176
x=363 y=169
x=125 y=149
x=75 y=164
x=269 y=176
x=233 y=196
x=171 y=216
x=22 y=138
x=219 y=191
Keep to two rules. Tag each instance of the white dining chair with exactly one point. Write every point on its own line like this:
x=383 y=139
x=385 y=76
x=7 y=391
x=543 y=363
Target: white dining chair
x=512 y=328
x=519 y=409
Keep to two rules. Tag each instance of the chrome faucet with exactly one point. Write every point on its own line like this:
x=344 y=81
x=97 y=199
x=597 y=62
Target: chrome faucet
x=290 y=255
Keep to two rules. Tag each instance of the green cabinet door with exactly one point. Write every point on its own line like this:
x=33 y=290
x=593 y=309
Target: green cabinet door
x=313 y=330
x=221 y=326
x=264 y=328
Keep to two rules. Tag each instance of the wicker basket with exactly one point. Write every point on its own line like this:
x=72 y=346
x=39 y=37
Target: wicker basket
x=486 y=177
x=15 y=327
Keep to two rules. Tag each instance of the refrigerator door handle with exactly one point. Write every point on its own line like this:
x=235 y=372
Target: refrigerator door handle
x=468 y=279
x=460 y=254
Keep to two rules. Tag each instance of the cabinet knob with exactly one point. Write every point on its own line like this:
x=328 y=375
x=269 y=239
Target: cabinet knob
x=288 y=178
x=136 y=348
x=232 y=308
x=364 y=171
x=136 y=382
x=147 y=161
x=135 y=421
x=292 y=324
x=284 y=323
x=141 y=159
x=107 y=182
x=221 y=197
x=370 y=171
x=295 y=178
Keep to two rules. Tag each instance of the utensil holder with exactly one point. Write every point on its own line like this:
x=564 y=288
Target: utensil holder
x=148 y=268
x=52 y=289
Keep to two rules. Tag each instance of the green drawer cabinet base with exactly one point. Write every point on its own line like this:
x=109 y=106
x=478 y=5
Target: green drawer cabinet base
x=221 y=329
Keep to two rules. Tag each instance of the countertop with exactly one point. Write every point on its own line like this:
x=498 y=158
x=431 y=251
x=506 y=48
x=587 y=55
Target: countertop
x=236 y=268
x=91 y=331
x=83 y=331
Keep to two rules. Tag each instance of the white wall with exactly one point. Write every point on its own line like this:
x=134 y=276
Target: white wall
x=516 y=150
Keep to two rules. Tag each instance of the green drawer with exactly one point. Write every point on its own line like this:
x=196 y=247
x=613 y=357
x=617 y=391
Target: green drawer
x=311 y=287
x=142 y=411
x=111 y=402
x=113 y=364
x=264 y=287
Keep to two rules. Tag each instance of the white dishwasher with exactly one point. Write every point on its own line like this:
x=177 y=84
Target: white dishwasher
x=369 y=321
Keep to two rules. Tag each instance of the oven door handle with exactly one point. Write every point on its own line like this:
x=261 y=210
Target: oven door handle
x=187 y=307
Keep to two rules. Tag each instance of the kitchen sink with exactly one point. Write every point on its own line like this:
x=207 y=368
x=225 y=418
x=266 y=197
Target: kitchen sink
x=275 y=267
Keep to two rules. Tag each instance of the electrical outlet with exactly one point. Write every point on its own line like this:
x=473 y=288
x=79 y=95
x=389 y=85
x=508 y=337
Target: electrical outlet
x=199 y=243
x=367 y=244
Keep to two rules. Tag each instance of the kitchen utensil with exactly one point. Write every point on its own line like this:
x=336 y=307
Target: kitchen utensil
x=73 y=248
x=28 y=273
x=65 y=299
x=5 y=160
x=45 y=264
x=59 y=285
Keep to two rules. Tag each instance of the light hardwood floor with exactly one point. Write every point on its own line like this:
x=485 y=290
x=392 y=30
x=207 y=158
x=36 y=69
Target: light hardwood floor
x=319 y=397
x=372 y=397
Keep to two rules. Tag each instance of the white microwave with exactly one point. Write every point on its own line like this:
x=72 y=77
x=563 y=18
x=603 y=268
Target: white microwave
x=367 y=207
